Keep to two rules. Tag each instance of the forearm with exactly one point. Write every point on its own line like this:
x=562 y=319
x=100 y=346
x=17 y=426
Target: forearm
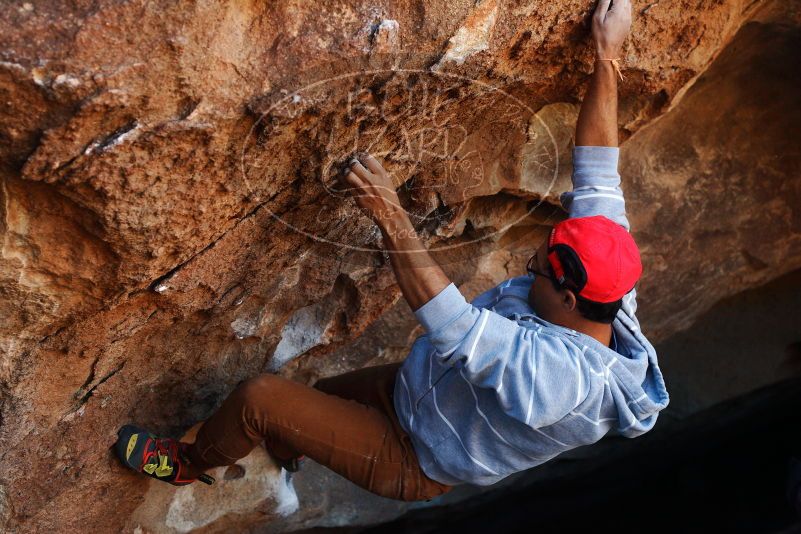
x=597 y=120
x=419 y=276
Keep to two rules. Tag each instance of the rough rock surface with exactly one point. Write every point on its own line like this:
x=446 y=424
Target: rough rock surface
x=171 y=222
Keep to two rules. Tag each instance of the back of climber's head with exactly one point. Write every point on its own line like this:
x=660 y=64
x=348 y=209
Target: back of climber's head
x=592 y=262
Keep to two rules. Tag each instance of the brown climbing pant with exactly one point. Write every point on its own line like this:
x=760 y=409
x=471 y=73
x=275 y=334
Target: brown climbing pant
x=346 y=423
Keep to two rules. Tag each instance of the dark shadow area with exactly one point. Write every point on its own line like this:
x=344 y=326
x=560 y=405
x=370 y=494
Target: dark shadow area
x=744 y=342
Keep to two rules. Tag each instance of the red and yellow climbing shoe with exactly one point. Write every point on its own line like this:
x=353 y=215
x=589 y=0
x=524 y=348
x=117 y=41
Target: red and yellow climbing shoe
x=164 y=459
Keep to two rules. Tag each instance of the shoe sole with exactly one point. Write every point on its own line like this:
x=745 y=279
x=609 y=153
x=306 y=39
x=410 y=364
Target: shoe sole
x=130 y=441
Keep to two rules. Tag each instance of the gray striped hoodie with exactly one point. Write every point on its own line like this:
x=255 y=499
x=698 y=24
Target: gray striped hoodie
x=491 y=389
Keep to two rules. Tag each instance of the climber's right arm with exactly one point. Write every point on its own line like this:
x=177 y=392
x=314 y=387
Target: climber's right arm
x=596 y=182
x=597 y=120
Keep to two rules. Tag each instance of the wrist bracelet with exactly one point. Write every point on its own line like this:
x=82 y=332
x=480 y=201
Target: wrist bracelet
x=615 y=64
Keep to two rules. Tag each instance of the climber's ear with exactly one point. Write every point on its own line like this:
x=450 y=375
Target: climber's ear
x=568 y=300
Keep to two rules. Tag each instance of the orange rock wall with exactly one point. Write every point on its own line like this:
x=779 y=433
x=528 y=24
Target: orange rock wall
x=170 y=221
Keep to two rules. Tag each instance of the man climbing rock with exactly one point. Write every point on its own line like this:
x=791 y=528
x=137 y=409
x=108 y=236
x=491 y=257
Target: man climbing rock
x=540 y=364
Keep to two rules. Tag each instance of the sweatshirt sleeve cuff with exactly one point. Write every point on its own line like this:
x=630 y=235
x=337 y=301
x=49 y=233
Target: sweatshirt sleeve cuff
x=448 y=305
x=595 y=162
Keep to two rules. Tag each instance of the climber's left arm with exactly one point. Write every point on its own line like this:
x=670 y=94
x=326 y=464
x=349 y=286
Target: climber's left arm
x=533 y=374
x=419 y=276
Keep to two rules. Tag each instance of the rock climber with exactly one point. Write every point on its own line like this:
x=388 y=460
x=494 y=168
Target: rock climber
x=540 y=364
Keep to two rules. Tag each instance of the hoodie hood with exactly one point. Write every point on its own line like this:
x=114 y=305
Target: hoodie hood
x=641 y=387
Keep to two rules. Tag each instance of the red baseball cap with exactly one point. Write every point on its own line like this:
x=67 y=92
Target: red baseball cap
x=602 y=254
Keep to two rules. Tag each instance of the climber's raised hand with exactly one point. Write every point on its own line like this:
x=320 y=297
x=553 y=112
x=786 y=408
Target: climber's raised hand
x=373 y=188
x=610 y=26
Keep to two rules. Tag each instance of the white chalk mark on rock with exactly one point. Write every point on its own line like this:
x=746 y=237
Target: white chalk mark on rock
x=473 y=36
x=385 y=39
x=261 y=487
x=287 y=502
x=66 y=80
x=117 y=138
x=306 y=329
x=245 y=327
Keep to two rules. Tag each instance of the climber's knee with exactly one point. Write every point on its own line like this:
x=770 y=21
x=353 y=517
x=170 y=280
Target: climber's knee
x=259 y=390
